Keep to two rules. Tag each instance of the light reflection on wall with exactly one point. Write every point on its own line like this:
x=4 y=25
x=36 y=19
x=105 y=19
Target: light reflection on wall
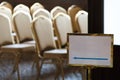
x=112 y=19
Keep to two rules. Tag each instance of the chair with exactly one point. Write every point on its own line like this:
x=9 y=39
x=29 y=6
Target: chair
x=8 y=13
x=21 y=7
x=41 y=11
x=72 y=10
x=6 y=4
x=62 y=24
x=46 y=48
x=35 y=7
x=22 y=23
x=7 y=42
x=82 y=21
x=56 y=10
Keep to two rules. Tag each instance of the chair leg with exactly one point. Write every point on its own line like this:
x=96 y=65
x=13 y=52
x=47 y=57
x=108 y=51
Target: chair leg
x=39 y=67
x=59 y=66
x=16 y=66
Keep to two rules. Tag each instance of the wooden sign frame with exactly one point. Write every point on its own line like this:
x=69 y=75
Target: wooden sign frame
x=95 y=50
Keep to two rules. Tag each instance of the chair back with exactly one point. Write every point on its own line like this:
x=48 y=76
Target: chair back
x=5 y=30
x=6 y=4
x=21 y=7
x=56 y=10
x=82 y=21
x=43 y=33
x=72 y=11
x=43 y=12
x=35 y=7
x=6 y=11
x=63 y=25
x=22 y=23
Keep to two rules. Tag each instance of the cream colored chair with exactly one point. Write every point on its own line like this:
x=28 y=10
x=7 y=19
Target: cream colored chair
x=41 y=11
x=6 y=11
x=7 y=42
x=56 y=10
x=6 y=4
x=62 y=24
x=21 y=7
x=82 y=21
x=46 y=48
x=72 y=10
x=22 y=23
x=35 y=7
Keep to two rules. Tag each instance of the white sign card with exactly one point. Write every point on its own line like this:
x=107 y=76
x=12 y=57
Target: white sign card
x=90 y=50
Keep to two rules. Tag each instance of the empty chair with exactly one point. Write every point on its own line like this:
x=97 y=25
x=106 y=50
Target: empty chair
x=62 y=24
x=46 y=48
x=21 y=7
x=6 y=4
x=82 y=21
x=41 y=12
x=56 y=10
x=22 y=23
x=35 y=7
x=6 y=11
x=72 y=10
x=7 y=42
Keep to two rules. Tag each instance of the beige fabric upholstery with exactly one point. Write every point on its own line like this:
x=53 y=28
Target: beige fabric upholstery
x=44 y=31
x=6 y=4
x=5 y=30
x=63 y=25
x=82 y=21
x=43 y=12
x=72 y=10
x=56 y=10
x=35 y=7
x=22 y=23
x=6 y=11
x=46 y=48
x=21 y=7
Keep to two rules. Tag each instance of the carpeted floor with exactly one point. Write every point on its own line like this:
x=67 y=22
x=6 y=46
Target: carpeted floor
x=29 y=72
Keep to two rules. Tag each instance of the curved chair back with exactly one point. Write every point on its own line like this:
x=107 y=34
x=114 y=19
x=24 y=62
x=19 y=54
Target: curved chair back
x=6 y=11
x=43 y=12
x=43 y=32
x=6 y=4
x=22 y=23
x=56 y=10
x=35 y=7
x=72 y=11
x=82 y=21
x=63 y=25
x=5 y=30
x=21 y=7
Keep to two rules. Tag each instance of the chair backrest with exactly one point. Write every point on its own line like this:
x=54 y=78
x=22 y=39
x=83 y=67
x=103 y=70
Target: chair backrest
x=56 y=10
x=35 y=7
x=43 y=12
x=63 y=25
x=5 y=30
x=6 y=4
x=21 y=7
x=72 y=11
x=22 y=23
x=6 y=11
x=82 y=21
x=43 y=33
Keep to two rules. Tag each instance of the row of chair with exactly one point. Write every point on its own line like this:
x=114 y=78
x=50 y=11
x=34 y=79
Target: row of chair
x=38 y=9
x=36 y=35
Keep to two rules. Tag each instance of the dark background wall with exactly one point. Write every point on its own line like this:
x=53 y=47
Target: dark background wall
x=49 y=4
x=95 y=10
